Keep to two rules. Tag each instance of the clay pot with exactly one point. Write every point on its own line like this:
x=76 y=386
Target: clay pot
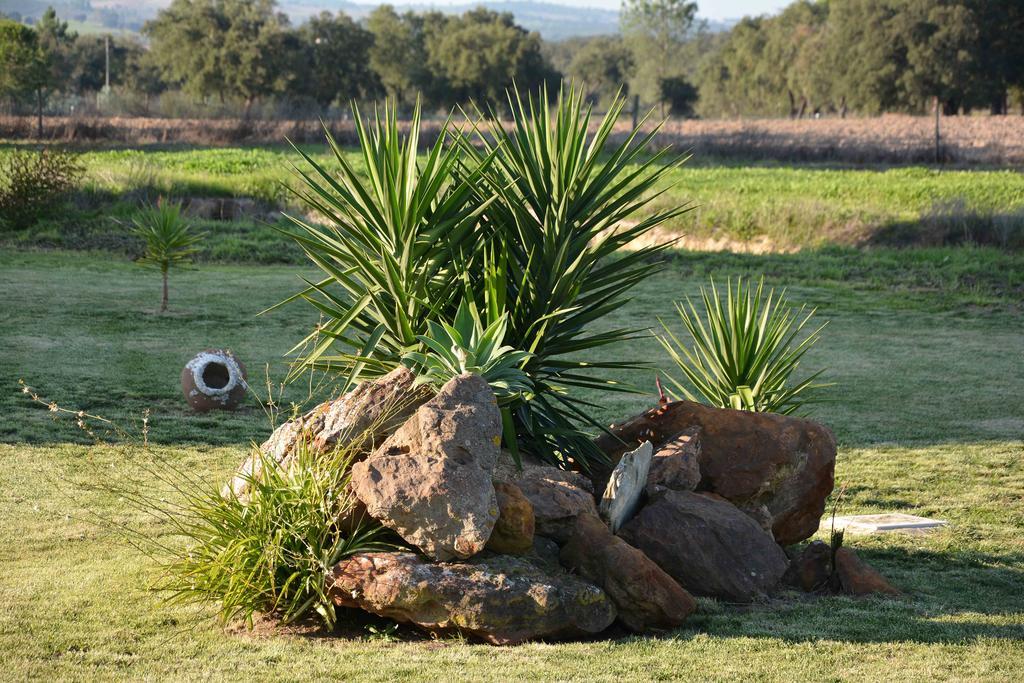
x=214 y=380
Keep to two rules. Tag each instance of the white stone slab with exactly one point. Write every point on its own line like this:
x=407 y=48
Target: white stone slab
x=884 y=523
x=625 y=486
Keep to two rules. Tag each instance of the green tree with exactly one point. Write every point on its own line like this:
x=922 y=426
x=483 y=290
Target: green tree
x=680 y=95
x=24 y=67
x=335 y=61
x=603 y=65
x=732 y=81
x=227 y=48
x=1000 y=50
x=768 y=65
x=656 y=31
x=864 y=55
x=398 y=54
x=88 y=56
x=942 y=40
x=143 y=76
x=58 y=44
x=483 y=53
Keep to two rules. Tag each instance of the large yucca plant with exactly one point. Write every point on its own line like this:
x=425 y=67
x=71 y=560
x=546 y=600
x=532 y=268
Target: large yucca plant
x=527 y=222
x=396 y=245
x=745 y=353
x=566 y=204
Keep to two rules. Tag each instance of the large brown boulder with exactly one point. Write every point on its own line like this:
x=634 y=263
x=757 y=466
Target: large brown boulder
x=753 y=459
x=644 y=595
x=502 y=600
x=371 y=411
x=513 y=532
x=558 y=497
x=709 y=546
x=430 y=481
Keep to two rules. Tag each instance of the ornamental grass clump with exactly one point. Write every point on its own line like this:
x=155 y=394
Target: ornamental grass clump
x=271 y=551
x=267 y=551
x=743 y=354
x=528 y=223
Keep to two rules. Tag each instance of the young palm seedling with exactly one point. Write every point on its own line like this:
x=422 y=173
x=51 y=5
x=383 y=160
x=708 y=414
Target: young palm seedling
x=168 y=238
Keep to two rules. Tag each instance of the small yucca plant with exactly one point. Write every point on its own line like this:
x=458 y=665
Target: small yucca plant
x=168 y=239
x=746 y=353
x=465 y=346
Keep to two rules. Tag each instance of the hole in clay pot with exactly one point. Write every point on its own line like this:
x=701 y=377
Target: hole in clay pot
x=216 y=375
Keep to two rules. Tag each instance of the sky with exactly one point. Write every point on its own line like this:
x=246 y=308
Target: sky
x=709 y=9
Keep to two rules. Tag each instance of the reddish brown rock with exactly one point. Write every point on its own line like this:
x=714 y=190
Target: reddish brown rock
x=676 y=463
x=645 y=596
x=502 y=600
x=857 y=577
x=513 y=532
x=708 y=546
x=431 y=481
x=377 y=407
x=784 y=463
x=558 y=498
x=811 y=570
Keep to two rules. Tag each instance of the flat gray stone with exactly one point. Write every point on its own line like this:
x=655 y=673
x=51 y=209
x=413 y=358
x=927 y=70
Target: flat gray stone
x=884 y=523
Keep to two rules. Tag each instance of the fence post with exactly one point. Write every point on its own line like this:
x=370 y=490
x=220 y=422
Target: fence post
x=938 y=136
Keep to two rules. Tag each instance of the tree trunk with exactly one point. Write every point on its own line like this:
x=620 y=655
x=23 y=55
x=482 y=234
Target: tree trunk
x=163 y=301
x=1000 y=105
x=842 y=107
x=39 y=113
x=803 y=108
x=792 y=104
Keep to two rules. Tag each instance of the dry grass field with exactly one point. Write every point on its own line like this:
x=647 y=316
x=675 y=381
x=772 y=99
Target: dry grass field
x=891 y=139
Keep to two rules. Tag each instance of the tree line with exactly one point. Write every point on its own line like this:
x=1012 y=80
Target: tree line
x=869 y=57
x=823 y=56
x=246 y=52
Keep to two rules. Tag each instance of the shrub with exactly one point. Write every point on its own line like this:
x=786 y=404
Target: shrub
x=271 y=552
x=521 y=226
x=33 y=183
x=746 y=353
x=168 y=239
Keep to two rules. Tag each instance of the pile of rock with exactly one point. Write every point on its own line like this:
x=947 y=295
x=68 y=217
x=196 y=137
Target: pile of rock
x=701 y=501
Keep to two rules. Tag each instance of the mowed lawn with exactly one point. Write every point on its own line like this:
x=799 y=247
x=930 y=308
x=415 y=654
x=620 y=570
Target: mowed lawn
x=926 y=348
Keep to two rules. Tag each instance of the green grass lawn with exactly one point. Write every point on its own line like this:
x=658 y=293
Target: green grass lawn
x=925 y=347
x=769 y=205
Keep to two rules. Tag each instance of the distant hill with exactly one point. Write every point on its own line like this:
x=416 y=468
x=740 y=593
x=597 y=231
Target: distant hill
x=553 y=21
